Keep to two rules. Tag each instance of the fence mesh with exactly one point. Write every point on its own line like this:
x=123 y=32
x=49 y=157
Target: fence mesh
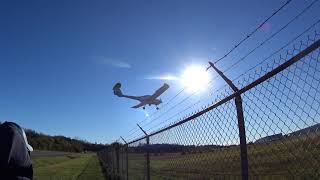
x=282 y=127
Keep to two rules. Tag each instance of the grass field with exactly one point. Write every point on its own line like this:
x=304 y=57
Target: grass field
x=68 y=167
x=290 y=158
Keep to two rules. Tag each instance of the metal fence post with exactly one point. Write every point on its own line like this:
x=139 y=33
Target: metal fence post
x=122 y=161
x=113 y=157
x=241 y=126
x=148 y=158
x=126 y=154
x=127 y=162
x=118 y=160
x=148 y=152
x=242 y=135
x=291 y=171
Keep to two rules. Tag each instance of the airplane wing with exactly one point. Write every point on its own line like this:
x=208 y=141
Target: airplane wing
x=138 y=105
x=161 y=90
x=139 y=98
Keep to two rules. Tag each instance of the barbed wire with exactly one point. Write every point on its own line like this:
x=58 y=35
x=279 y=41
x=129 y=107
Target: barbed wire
x=233 y=65
x=277 y=51
x=189 y=107
x=172 y=107
x=248 y=36
x=273 y=35
x=199 y=101
x=179 y=103
x=281 y=107
x=268 y=57
x=254 y=31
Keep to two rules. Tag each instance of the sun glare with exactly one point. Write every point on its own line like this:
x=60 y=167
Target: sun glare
x=195 y=78
x=146 y=113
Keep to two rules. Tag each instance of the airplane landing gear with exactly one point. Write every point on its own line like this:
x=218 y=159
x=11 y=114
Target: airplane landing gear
x=143 y=107
x=157 y=108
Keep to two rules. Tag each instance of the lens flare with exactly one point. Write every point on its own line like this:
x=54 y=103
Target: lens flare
x=146 y=113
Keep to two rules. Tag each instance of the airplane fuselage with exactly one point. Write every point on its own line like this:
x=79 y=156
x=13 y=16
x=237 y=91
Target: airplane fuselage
x=149 y=100
x=144 y=100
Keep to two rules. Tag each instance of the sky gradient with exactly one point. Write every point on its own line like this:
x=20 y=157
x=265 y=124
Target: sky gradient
x=60 y=59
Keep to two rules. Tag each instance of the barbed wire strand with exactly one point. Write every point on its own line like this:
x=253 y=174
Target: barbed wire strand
x=183 y=100
x=192 y=105
x=248 y=36
x=268 y=57
x=254 y=31
x=273 y=35
x=254 y=49
x=277 y=51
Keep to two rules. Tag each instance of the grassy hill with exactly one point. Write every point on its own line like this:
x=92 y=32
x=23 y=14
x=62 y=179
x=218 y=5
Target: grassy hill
x=40 y=141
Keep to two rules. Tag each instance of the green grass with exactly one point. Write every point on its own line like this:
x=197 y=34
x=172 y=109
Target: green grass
x=290 y=158
x=73 y=167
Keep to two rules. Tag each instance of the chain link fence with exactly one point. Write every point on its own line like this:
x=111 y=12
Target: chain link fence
x=267 y=127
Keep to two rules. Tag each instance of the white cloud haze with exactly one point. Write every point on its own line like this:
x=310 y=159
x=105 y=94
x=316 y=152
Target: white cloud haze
x=113 y=62
x=162 y=78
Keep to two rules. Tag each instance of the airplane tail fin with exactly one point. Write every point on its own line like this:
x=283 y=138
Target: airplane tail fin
x=117 y=90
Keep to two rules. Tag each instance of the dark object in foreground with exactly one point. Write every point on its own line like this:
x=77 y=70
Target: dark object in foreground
x=15 y=161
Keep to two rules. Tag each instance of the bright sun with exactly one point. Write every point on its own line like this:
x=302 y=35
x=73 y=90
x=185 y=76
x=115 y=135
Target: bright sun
x=195 y=78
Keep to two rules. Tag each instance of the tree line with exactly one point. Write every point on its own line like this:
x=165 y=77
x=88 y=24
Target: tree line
x=40 y=141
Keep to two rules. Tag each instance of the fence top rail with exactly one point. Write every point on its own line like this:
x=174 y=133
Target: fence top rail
x=258 y=81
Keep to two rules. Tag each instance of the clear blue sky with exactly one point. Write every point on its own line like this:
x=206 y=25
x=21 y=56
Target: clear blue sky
x=59 y=59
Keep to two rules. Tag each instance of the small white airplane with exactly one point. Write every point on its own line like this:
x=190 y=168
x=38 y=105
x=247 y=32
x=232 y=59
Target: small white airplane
x=144 y=100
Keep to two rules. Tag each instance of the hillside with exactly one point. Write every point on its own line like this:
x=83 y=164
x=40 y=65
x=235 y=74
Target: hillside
x=40 y=141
